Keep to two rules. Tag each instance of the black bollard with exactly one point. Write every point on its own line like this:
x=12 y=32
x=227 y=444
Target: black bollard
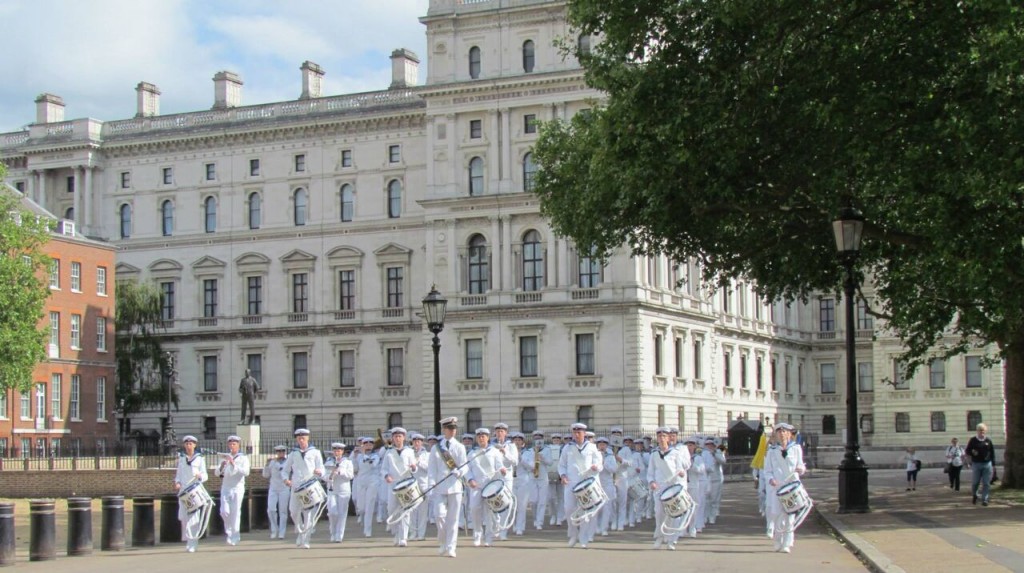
x=258 y=518
x=143 y=526
x=112 y=533
x=79 y=526
x=244 y=521
x=6 y=534
x=170 y=527
x=43 y=520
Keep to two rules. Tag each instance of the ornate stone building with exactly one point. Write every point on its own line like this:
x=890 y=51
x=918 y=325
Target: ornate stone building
x=298 y=238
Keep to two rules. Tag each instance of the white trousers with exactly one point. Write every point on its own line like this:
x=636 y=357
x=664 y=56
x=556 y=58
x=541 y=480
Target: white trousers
x=277 y=510
x=447 y=508
x=337 y=513
x=231 y=512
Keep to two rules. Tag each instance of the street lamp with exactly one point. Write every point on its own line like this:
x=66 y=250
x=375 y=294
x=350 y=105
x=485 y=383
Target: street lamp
x=170 y=440
x=433 y=311
x=853 y=472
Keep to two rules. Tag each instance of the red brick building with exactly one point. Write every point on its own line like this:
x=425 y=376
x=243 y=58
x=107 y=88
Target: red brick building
x=70 y=408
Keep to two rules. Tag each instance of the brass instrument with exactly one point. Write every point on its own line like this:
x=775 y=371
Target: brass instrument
x=380 y=441
x=537 y=444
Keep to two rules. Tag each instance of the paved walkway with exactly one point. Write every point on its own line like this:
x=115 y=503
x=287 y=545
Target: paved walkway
x=932 y=529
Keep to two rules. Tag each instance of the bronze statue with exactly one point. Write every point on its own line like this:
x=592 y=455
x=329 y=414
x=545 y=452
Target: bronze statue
x=247 y=388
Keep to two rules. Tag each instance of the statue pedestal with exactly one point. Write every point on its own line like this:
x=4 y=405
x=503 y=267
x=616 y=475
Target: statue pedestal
x=250 y=435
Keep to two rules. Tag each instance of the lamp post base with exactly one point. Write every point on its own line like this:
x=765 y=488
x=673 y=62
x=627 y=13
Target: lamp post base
x=853 y=486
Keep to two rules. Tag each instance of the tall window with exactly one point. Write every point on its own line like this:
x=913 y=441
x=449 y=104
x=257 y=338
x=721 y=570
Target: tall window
x=899 y=375
x=530 y=123
x=300 y=370
x=255 y=210
x=76 y=331
x=167 y=217
x=396 y=366
x=759 y=372
x=126 y=221
x=973 y=419
x=474 y=62
x=584 y=354
x=347 y=367
x=827 y=316
x=828 y=378
x=583 y=44
x=255 y=295
x=727 y=368
x=527 y=356
x=528 y=56
x=972 y=367
x=347 y=425
x=476 y=177
x=300 y=292
x=210 y=214
x=865 y=377
x=585 y=415
x=101 y=398
x=474 y=358
x=209 y=298
x=938 y=421
x=209 y=373
x=56 y=408
x=210 y=427
x=678 y=347
x=3 y=410
x=254 y=168
x=55 y=273
x=533 y=262
x=101 y=334
x=394 y=287
x=167 y=300
x=937 y=374
x=101 y=281
x=479 y=267
x=300 y=163
x=254 y=363
x=26 y=405
x=75 y=398
x=659 y=341
x=828 y=425
x=346 y=290
x=529 y=172
x=394 y=199
x=589 y=269
x=348 y=203
x=76 y=277
x=902 y=422
x=697 y=374
x=346 y=158
x=54 y=334
x=301 y=200
x=528 y=419
x=864 y=320
x=474 y=418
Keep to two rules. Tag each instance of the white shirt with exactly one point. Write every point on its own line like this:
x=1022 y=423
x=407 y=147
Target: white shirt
x=233 y=473
x=300 y=465
x=190 y=468
x=272 y=471
x=438 y=469
x=395 y=464
x=784 y=469
x=484 y=466
x=714 y=462
x=668 y=468
x=576 y=461
x=339 y=474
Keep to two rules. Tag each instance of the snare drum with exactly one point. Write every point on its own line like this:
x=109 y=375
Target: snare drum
x=194 y=497
x=497 y=496
x=793 y=497
x=638 y=490
x=311 y=493
x=588 y=493
x=407 y=492
x=676 y=501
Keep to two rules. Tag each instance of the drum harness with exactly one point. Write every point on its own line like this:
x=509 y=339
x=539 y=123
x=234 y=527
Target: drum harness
x=205 y=513
x=314 y=513
x=800 y=515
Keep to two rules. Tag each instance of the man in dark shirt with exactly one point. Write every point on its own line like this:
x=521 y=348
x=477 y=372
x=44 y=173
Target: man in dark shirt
x=983 y=455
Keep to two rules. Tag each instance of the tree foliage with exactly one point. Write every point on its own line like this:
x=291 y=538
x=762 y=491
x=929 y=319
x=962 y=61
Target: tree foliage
x=141 y=361
x=735 y=131
x=23 y=291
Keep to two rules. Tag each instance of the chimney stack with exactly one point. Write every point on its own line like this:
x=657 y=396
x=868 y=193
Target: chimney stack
x=405 y=67
x=312 y=80
x=49 y=108
x=148 y=100
x=227 y=90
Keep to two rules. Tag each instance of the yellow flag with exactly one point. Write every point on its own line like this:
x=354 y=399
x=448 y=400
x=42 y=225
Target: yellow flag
x=762 y=449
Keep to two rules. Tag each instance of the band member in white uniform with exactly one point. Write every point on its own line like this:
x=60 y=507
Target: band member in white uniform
x=638 y=473
x=646 y=451
x=556 y=491
x=277 y=494
x=623 y=467
x=606 y=516
x=301 y=464
x=191 y=466
x=697 y=485
x=541 y=461
x=233 y=468
x=446 y=467
x=782 y=465
x=339 y=473
x=485 y=463
x=714 y=463
x=418 y=518
x=431 y=442
x=383 y=488
x=579 y=460
x=356 y=454
x=523 y=482
x=509 y=458
x=399 y=462
x=668 y=467
x=369 y=478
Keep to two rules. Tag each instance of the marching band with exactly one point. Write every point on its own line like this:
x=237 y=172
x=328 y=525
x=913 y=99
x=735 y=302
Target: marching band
x=595 y=484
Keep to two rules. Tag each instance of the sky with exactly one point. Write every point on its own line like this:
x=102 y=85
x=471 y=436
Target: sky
x=93 y=53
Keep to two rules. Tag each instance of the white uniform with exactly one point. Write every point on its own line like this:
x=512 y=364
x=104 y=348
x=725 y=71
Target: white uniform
x=607 y=516
x=525 y=492
x=781 y=466
x=697 y=484
x=509 y=459
x=418 y=519
x=368 y=471
x=484 y=465
x=575 y=463
x=666 y=468
x=232 y=490
x=396 y=465
x=277 y=498
x=714 y=461
x=447 y=493
x=189 y=469
x=300 y=466
x=339 y=474
x=624 y=471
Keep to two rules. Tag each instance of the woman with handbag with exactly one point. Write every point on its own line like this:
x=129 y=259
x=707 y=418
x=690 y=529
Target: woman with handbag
x=913 y=466
x=954 y=463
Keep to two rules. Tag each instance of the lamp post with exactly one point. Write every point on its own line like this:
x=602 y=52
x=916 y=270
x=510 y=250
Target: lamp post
x=853 y=472
x=434 y=306
x=170 y=440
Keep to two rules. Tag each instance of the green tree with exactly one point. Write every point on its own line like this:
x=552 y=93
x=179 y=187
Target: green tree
x=735 y=131
x=23 y=290
x=141 y=362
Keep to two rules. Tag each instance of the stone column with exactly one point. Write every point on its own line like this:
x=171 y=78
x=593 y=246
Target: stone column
x=506 y=253
x=42 y=188
x=551 y=261
x=78 y=196
x=497 y=256
x=87 y=192
x=454 y=161
x=565 y=273
x=507 y=170
x=30 y=186
x=493 y=161
x=453 y=258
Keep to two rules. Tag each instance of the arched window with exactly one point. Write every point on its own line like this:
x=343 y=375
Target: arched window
x=348 y=202
x=479 y=268
x=126 y=221
x=70 y=214
x=300 y=207
x=528 y=56
x=583 y=45
x=395 y=199
x=474 y=62
x=210 y=211
x=255 y=212
x=533 y=262
x=529 y=170
x=167 y=217
x=476 y=177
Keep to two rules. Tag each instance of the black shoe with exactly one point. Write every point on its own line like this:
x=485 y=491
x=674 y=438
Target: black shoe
x=984 y=503
x=908 y=489
x=974 y=500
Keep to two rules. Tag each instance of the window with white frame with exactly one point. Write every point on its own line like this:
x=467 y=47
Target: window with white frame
x=394 y=199
x=474 y=358
x=533 y=261
x=589 y=269
x=528 y=356
x=937 y=374
x=973 y=419
x=254 y=295
x=254 y=168
x=54 y=334
x=476 y=129
x=3 y=406
x=346 y=289
x=210 y=298
x=585 y=354
x=347 y=368
x=678 y=347
x=396 y=366
x=938 y=421
x=167 y=218
x=659 y=341
x=300 y=162
x=300 y=370
x=698 y=374
x=395 y=287
x=972 y=368
x=347 y=425
x=210 y=214
x=474 y=418
x=865 y=377
x=828 y=378
x=346 y=158
x=167 y=174
x=300 y=204
x=394 y=153
x=167 y=300
x=255 y=210
x=899 y=375
x=101 y=399
x=125 y=212
x=727 y=368
x=26 y=405
x=479 y=275
x=348 y=202
x=76 y=331
x=585 y=415
x=211 y=171
x=254 y=364
x=528 y=56
x=530 y=123
x=528 y=419
x=75 y=398
x=56 y=407
x=827 y=315
x=864 y=320
x=300 y=292
x=474 y=62
x=55 y=274
x=529 y=172
x=101 y=334
x=209 y=373
x=101 y=281
x=76 y=276
x=476 y=177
